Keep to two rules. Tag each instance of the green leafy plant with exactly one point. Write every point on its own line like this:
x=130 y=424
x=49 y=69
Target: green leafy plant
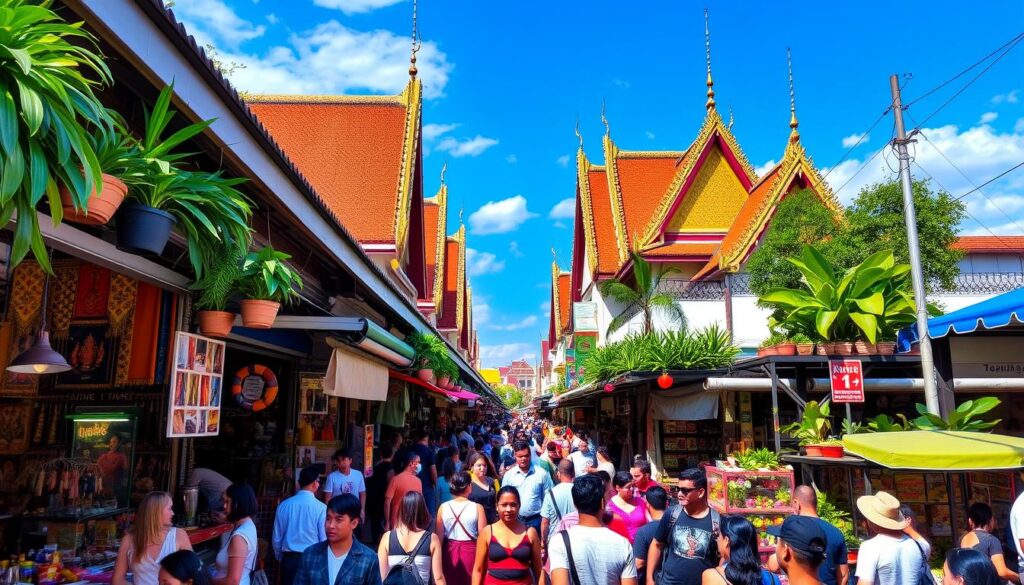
x=159 y=150
x=755 y=459
x=220 y=281
x=853 y=428
x=884 y=423
x=642 y=295
x=800 y=338
x=266 y=276
x=964 y=418
x=432 y=353
x=117 y=151
x=837 y=517
x=814 y=427
x=48 y=71
x=775 y=338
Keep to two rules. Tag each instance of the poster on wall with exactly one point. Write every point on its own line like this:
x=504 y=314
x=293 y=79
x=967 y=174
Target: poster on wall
x=367 y=450
x=108 y=443
x=197 y=386
x=312 y=399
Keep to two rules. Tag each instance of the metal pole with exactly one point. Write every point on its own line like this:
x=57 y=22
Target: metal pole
x=931 y=392
x=775 y=407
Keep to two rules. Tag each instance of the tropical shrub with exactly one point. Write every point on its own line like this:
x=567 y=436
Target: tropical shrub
x=642 y=295
x=884 y=423
x=432 y=353
x=266 y=276
x=964 y=418
x=839 y=518
x=814 y=427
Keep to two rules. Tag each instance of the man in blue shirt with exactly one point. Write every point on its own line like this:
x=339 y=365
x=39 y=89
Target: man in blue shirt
x=531 y=482
x=834 y=570
x=299 y=524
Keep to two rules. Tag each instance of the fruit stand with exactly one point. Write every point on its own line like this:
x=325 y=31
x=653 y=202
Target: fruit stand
x=765 y=497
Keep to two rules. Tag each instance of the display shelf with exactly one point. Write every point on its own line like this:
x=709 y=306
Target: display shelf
x=83 y=517
x=750 y=492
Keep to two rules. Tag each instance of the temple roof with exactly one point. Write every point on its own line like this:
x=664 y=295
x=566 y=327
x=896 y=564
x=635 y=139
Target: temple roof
x=561 y=305
x=358 y=152
x=435 y=211
x=452 y=297
x=990 y=244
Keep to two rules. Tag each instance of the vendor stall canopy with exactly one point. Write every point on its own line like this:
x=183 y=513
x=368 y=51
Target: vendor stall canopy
x=1001 y=311
x=938 y=450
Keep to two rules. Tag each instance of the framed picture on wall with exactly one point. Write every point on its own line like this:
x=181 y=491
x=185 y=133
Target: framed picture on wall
x=312 y=399
x=196 y=388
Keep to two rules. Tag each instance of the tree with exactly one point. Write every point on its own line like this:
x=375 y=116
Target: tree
x=512 y=396
x=643 y=296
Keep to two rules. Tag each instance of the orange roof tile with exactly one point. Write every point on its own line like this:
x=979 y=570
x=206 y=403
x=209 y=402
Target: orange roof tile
x=604 y=227
x=350 y=148
x=435 y=225
x=990 y=244
x=683 y=249
x=450 y=296
x=643 y=182
x=564 y=302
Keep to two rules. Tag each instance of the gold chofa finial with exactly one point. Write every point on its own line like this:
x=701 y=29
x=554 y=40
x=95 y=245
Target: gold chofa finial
x=460 y=216
x=578 y=135
x=444 y=169
x=604 y=119
x=707 y=50
x=731 y=120
x=416 y=44
x=554 y=255
x=794 y=135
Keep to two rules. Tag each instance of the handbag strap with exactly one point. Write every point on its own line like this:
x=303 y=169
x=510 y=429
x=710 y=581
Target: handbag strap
x=574 y=576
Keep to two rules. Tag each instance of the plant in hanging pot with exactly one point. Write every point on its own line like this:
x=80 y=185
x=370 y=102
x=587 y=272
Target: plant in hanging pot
x=431 y=353
x=267 y=282
x=219 y=283
x=48 y=71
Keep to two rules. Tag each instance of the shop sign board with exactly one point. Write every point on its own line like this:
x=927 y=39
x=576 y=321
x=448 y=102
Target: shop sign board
x=197 y=386
x=583 y=345
x=584 y=317
x=847 y=378
x=367 y=450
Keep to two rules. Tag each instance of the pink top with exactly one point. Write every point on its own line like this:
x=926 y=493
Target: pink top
x=632 y=521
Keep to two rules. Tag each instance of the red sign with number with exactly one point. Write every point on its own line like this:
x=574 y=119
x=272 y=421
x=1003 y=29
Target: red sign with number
x=847 y=380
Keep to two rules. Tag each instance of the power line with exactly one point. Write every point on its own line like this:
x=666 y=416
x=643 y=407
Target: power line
x=859 y=169
x=962 y=73
x=992 y=180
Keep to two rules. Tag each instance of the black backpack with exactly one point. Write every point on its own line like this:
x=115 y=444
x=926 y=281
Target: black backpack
x=405 y=573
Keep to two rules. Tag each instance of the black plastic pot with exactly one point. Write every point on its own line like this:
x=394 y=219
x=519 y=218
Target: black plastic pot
x=142 y=229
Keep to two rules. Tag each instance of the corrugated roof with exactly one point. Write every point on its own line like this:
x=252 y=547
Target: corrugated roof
x=990 y=244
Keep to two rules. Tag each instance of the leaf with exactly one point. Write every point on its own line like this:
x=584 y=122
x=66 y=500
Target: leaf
x=8 y=122
x=31 y=107
x=817 y=264
x=868 y=324
x=823 y=322
x=21 y=57
x=874 y=304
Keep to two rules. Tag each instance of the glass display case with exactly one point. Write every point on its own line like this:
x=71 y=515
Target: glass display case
x=764 y=497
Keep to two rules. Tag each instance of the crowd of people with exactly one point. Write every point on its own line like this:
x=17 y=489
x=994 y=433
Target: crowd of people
x=525 y=503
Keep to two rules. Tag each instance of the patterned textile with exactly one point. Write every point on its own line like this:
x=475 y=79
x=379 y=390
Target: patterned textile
x=27 y=296
x=360 y=567
x=93 y=292
x=62 y=297
x=121 y=311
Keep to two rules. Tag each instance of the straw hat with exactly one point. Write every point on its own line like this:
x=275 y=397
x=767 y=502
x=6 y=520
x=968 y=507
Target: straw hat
x=882 y=509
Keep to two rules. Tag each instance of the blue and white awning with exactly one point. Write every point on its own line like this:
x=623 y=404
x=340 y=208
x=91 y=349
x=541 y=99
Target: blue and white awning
x=1002 y=311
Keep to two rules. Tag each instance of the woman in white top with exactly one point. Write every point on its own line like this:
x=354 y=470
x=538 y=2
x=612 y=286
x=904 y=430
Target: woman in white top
x=604 y=461
x=410 y=538
x=460 y=521
x=237 y=558
x=153 y=537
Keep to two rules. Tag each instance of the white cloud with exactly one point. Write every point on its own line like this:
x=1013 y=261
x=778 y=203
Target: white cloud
x=433 y=131
x=355 y=6
x=852 y=139
x=564 y=209
x=499 y=217
x=988 y=117
x=216 y=23
x=529 y=321
x=331 y=58
x=466 y=147
x=513 y=248
x=505 y=352
x=649 y=134
x=481 y=312
x=545 y=308
x=1018 y=128
x=762 y=169
x=621 y=83
x=272 y=18
x=511 y=159
x=563 y=160
x=560 y=225
x=478 y=263
x=1009 y=97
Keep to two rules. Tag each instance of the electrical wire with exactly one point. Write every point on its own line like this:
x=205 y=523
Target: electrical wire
x=964 y=72
x=992 y=180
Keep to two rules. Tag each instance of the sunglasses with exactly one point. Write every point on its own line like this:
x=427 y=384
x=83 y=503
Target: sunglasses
x=683 y=491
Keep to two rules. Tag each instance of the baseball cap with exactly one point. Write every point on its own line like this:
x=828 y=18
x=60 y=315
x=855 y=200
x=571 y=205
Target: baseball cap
x=802 y=533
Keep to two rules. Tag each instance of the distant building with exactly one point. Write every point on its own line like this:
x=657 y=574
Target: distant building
x=519 y=374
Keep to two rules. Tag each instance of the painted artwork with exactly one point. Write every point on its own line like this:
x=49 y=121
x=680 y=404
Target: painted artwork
x=14 y=428
x=197 y=386
x=92 y=354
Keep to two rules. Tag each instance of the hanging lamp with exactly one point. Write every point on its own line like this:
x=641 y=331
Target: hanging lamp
x=41 y=358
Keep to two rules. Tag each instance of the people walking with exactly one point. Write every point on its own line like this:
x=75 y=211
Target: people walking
x=834 y=570
x=604 y=461
x=557 y=502
x=427 y=472
x=298 y=524
x=965 y=566
x=183 y=567
x=685 y=536
x=410 y=545
x=630 y=510
x=459 y=524
x=483 y=490
x=341 y=558
x=657 y=500
x=400 y=485
x=641 y=472
x=890 y=557
x=450 y=465
x=981 y=523
x=508 y=551
x=589 y=553
x=237 y=558
x=376 y=486
x=152 y=538
x=531 y=482
x=741 y=563
x=800 y=548
x=583 y=459
x=345 y=480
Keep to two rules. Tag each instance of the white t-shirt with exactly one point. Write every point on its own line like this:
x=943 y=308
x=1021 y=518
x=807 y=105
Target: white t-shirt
x=581 y=460
x=338 y=484
x=334 y=564
x=1017 y=523
x=884 y=560
x=601 y=556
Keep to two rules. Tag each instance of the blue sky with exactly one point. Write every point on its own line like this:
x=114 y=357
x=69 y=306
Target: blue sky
x=504 y=84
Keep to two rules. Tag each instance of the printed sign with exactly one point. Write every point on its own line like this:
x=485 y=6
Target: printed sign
x=197 y=383
x=368 y=450
x=584 y=317
x=312 y=399
x=847 y=380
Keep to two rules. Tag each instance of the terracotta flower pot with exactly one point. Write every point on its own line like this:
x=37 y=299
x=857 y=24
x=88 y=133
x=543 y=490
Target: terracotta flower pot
x=259 y=314
x=786 y=349
x=216 y=323
x=424 y=374
x=844 y=348
x=442 y=382
x=886 y=347
x=812 y=450
x=805 y=349
x=762 y=351
x=851 y=556
x=832 y=451
x=101 y=204
x=827 y=348
x=865 y=348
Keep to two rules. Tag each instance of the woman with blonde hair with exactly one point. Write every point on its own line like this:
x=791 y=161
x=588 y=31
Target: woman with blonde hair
x=151 y=538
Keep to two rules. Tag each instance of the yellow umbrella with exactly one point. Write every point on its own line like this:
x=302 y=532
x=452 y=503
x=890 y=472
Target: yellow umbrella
x=938 y=450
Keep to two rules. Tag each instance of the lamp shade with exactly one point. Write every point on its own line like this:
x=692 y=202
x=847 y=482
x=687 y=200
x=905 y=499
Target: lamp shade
x=39 y=359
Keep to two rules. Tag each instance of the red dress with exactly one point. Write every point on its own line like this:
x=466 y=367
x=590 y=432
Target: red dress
x=509 y=566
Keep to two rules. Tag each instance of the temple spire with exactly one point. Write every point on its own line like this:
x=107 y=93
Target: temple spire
x=604 y=120
x=416 y=44
x=707 y=50
x=794 y=135
x=444 y=169
x=578 y=135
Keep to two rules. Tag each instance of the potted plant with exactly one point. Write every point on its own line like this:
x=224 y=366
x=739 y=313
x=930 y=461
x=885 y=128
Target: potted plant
x=121 y=160
x=832 y=448
x=49 y=70
x=863 y=347
x=804 y=344
x=784 y=345
x=431 y=353
x=267 y=281
x=813 y=428
x=219 y=283
x=843 y=348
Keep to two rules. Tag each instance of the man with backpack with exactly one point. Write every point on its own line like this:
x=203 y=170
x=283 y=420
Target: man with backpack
x=685 y=543
x=557 y=502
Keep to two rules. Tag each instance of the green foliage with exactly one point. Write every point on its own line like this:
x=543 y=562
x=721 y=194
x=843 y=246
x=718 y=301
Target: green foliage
x=117 y=151
x=670 y=350
x=964 y=418
x=884 y=423
x=775 y=338
x=220 y=281
x=754 y=459
x=870 y=300
x=512 y=396
x=432 y=353
x=266 y=276
x=837 y=517
x=48 y=71
x=853 y=428
x=814 y=427
x=559 y=388
x=642 y=295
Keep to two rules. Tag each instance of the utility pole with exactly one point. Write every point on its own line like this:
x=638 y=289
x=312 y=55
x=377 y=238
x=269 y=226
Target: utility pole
x=931 y=392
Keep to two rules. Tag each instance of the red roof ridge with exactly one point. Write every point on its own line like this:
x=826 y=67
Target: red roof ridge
x=990 y=243
x=345 y=99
